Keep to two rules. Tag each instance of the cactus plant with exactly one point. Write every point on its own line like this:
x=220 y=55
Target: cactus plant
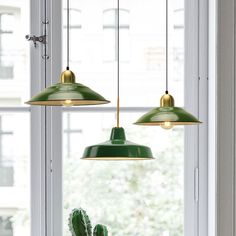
x=100 y=230
x=79 y=223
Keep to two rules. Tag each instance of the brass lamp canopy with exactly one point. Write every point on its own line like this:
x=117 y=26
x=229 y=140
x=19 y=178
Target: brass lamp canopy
x=67 y=93
x=167 y=100
x=167 y=115
x=67 y=77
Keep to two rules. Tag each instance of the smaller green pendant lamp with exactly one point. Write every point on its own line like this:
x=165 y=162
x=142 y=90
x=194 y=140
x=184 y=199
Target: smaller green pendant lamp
x=117 y=148
x=67 y=92
x=167 y=115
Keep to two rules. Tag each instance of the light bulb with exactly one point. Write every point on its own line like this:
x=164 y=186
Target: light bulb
x=167 y=125
x=67 y=103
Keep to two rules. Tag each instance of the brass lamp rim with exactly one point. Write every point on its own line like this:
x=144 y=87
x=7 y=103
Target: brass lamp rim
x=75 y=102
x=172 y=123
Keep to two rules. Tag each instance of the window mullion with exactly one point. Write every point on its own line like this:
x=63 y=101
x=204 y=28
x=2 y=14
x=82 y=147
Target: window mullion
x=38 y=208
x=54 y=122
x=192 y=105
x=203 y=116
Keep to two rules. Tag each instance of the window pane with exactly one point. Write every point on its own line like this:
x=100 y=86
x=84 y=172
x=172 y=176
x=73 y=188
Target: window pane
x=109 y=45
x=124 y=17
x=15 y=174
x=7 y=22
x=125 y=196
x=125 y=42
x=142 y=50
x=14 y=53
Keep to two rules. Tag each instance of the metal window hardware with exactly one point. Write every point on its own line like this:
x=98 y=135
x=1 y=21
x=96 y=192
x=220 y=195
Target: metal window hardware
x=35 y=39
x=41 y=39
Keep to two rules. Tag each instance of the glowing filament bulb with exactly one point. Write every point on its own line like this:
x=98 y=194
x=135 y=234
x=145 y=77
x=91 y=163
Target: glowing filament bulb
x=67 y=103
x=167 y=125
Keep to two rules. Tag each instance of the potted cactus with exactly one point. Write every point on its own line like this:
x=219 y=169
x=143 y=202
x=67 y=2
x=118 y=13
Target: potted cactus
x=80 y=225
x=100 y=230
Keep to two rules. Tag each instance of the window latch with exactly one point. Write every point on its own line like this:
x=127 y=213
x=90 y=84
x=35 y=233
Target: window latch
x=35 y=39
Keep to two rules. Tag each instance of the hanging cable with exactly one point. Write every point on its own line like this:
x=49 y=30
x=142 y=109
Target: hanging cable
x=68 y=35
x=167 y=45
x=118 y=64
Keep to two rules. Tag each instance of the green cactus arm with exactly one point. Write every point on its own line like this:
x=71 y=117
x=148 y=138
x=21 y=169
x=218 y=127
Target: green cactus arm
x=79 y=223
x=100 y=230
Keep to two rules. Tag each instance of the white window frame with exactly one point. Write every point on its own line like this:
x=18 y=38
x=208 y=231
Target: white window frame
x=46 y=123
x=223 y=133
x=46 y=186
x=196 y=100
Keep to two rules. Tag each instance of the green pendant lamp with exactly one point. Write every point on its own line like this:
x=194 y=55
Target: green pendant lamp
x=117 y=148
x=167 y=115
x=67 y=92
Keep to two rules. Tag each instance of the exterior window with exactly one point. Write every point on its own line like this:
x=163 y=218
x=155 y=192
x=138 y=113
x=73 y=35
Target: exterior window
x=110 y=35
x=6 y=42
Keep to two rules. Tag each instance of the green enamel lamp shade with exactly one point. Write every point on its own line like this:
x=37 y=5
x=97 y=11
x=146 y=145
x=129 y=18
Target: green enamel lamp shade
x=117 y=148
x=167 y=115
x=67 y=93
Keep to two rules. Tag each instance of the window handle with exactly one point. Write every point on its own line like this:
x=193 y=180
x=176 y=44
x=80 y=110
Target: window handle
x=35 y=39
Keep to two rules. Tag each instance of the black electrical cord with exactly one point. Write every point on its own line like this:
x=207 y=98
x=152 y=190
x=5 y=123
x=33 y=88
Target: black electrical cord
x=68 y=35
x=167 y=45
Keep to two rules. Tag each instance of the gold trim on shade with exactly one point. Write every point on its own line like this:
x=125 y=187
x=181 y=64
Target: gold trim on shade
x=65 y=103
x=172 y=123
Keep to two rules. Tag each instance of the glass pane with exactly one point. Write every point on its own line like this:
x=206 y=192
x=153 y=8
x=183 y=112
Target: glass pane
x=75 y=17
x=14 y=53
x=109 y=45
x=125 y=196
x=125 y=42
x=109 y=17
x=15 y=174
x=142 y=47
x=7 y=22
x=124 y=17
